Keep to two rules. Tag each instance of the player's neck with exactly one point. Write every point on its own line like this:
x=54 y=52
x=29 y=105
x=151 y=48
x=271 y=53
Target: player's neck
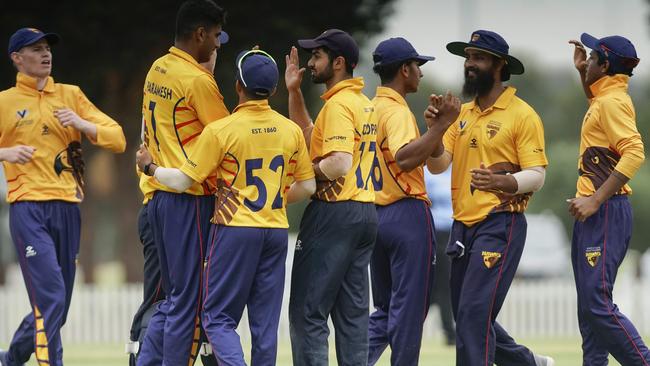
x=486 y=101
x=41 y=81
x=335 y=79
x=187 y=48
x=397 y=86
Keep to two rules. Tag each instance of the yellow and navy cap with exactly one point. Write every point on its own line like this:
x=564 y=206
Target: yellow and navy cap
x=26 y=36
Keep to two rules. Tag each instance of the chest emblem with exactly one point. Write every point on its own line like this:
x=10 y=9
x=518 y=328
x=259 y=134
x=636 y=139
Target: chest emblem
x=21 y=114
x=492 y=129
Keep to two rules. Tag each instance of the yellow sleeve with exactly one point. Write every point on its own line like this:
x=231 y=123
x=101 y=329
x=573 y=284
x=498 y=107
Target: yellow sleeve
x=449 y=138
x=304 y=169
x=206 y=100
x=400 y=130
x=205 y=157
x=338 y=128
x=529 y=141
x=109 y=133
x=618 y=120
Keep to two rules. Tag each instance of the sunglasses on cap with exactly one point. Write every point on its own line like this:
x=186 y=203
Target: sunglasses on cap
x=247 y=54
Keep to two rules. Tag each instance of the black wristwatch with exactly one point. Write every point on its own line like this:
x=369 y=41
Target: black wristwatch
x=145 y=170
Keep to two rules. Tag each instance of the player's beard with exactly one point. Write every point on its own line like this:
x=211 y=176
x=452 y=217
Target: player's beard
x=480 y=84
x=322 y=77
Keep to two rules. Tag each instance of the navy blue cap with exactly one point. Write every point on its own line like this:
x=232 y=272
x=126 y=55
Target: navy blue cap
x=489 y=42
x=26 y=36
x=336 y=40
x=618 y=50
x=224 y=37
x=397 y=50
x=257 y=72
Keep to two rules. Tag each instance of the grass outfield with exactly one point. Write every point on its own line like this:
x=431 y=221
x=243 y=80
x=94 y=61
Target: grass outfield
x=565 y=351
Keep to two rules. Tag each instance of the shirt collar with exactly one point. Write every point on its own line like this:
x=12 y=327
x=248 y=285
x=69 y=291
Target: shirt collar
x=354 y=84
x=386 y=92
x=254 y=105
x=609 y=83
x=27 y=82
x=502 y=102
x=186 y=56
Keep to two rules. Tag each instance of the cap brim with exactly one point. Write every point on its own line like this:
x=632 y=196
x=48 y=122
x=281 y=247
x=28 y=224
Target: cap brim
x=589 y=40
x=52 y=38
x=309 y=44
x=514 y=65
x=224 y=37
x=421 y=59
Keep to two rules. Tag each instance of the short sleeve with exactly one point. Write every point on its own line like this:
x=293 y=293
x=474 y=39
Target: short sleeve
x=400 y=129
x=529 y=141
x=618 y=120
x=449 y=138
x=304 y=169
x=337 y=128
x=204 y=97
x=205 y=156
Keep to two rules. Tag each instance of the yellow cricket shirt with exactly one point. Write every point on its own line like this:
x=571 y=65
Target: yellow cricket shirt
x=396 y=128
x=180 y=98
x=347 y=124
x=257 y=153
x=609 y=139
x=27 y=118
x=507 y=138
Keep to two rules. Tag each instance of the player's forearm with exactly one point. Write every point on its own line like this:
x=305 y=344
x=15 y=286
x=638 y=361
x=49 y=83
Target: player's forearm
x=301 y=190
x=437 y=164
x=334 y=166
x=416 y=152
x=299 y=114
x=612 y=184
x=172 y=178
x=530 y=179
x=585 y=86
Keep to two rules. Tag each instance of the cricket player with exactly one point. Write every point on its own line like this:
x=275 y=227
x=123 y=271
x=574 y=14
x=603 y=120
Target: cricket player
x=180 y=98
x=497 y=146
x=611 y=152
x=404 y=255
x=257 y=154
x=338 y=228
x=41 y=123
x=152 y=288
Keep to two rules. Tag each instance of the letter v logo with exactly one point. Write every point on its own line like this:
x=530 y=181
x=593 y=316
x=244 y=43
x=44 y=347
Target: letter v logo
x=22 y=113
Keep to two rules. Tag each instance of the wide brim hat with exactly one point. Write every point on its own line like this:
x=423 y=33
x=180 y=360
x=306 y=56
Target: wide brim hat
x=491 y=43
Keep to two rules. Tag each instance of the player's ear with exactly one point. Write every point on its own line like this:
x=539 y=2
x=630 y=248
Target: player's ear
x=200 y=34
x=238 y=87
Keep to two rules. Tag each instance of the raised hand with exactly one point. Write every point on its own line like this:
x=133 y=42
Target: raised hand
x=579 y=55
x=19 y=154
x=293 y=73
x=442 y=111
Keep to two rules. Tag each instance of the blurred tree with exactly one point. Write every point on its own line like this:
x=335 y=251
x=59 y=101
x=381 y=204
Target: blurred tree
x=108 y=47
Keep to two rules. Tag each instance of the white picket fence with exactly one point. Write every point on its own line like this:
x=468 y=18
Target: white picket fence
x=533 y=309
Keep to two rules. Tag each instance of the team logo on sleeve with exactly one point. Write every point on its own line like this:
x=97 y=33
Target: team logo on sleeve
x=490 y=258
x=592 y=254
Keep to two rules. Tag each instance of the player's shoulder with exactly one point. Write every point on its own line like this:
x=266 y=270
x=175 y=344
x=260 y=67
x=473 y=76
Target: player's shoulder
x=521 y=109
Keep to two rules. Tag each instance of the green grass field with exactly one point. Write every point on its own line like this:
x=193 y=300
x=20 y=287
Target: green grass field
x=566 y=352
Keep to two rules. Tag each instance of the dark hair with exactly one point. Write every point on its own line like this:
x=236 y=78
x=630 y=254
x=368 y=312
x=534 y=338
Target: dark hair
x=614 y=67
x=387 y=73
x=198 y=13
x=349 y=68
x=250 y=94
x=505 y=71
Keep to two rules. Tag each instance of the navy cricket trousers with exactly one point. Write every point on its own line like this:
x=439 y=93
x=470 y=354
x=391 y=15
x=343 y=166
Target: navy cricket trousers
x=480 y=279
x=245 y=268
x=46 y=237
x=598 y=248
x=181 y=224
x=401 y=269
